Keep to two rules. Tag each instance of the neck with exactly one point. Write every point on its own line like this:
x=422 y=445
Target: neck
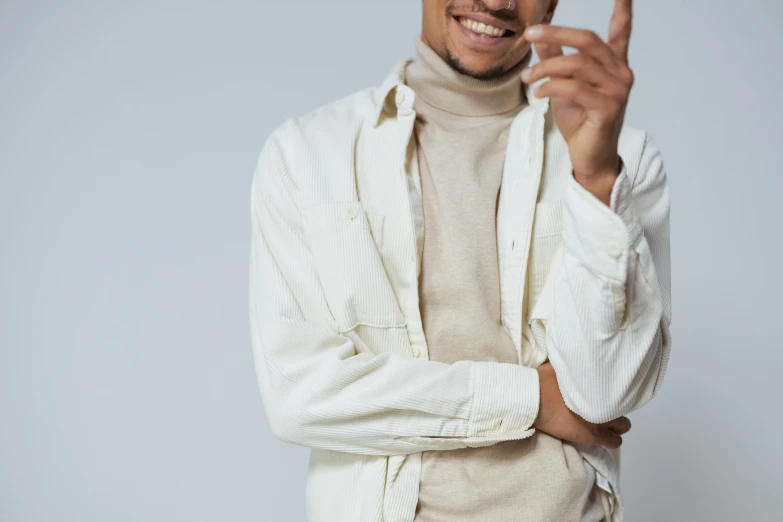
x=438 y=84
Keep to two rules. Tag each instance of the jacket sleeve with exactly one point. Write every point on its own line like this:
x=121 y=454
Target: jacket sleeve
x=608 y=334
x=319 y=392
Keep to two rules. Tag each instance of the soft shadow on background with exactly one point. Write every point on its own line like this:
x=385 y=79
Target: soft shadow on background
x=128 y=136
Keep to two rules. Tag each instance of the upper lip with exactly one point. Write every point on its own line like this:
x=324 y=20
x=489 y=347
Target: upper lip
x=486 y=19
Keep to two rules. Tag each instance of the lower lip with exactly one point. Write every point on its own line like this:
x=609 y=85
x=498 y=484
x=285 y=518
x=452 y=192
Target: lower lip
x=480 y=40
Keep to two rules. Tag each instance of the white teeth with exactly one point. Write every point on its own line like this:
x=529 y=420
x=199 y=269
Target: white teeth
x=479 y=27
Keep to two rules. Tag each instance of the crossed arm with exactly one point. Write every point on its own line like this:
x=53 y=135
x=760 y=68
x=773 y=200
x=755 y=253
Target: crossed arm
x=608 y=333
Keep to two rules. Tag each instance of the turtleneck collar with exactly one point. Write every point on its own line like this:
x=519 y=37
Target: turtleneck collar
x=431 y=78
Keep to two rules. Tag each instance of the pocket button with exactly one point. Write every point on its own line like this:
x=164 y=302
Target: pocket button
x=351 y=213
x=614 y=249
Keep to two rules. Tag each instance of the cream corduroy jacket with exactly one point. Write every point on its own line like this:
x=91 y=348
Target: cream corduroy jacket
x=337 y=338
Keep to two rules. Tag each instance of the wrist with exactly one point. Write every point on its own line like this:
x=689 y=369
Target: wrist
x=601 y=182
x=543 y=375
x=598 y=167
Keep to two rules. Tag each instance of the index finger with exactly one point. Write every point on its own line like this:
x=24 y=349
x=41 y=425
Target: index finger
x=620 y=28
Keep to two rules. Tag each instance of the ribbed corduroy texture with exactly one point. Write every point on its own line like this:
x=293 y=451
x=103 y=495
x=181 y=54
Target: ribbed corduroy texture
x=340 y=354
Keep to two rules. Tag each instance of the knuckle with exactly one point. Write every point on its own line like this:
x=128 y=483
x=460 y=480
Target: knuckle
x=627 y=76
x=582 y=61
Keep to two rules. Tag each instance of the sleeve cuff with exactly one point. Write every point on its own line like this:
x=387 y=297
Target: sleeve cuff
x=506 y=398
x=600 y=236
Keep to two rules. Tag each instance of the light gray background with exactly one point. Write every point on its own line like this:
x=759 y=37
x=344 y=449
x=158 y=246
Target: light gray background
x=128 y=135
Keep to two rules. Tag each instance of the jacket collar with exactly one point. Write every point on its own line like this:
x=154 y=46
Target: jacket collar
x=395 y=79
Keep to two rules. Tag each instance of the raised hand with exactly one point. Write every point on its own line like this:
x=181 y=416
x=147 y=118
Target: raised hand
x=588 y=91
x=556 y=419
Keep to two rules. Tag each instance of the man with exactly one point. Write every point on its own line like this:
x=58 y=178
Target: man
x=459 y=279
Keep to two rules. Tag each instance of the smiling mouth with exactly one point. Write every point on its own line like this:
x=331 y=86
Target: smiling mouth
x=483 y=30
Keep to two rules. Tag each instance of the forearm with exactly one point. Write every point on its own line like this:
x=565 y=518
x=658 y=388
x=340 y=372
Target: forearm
x=390 y=404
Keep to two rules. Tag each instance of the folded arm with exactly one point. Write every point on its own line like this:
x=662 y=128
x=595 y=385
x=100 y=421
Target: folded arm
x=319 y=392
x=608 y=335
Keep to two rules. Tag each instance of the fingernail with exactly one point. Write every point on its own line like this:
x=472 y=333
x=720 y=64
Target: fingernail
x=534 y=30
x=526 y=72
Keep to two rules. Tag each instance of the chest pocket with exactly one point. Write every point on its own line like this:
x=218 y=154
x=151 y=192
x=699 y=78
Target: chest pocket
x=545 y=258
x=349 y=266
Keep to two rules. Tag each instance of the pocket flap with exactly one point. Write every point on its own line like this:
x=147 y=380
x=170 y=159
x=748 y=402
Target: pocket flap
x=543 y=306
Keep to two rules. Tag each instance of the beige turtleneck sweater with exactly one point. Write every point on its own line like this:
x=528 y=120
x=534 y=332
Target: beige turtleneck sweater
x=461 y=129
